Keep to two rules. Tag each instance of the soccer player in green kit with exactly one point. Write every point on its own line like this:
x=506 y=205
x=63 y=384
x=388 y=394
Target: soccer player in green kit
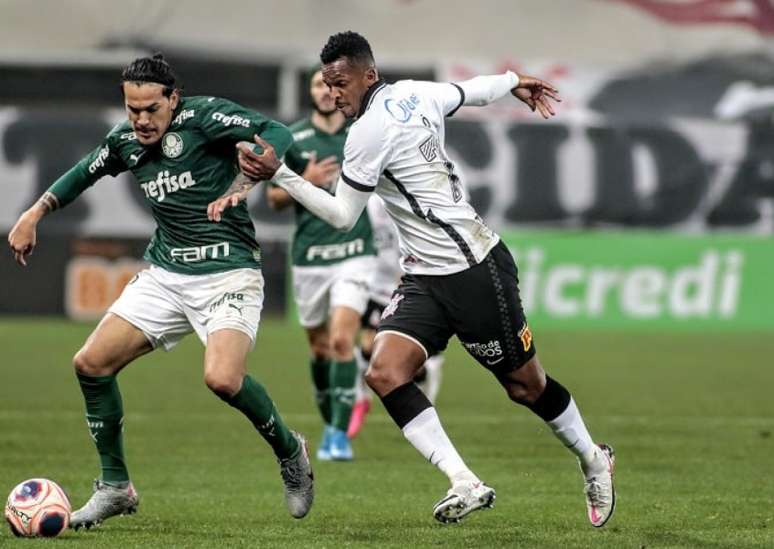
x=331 y=269
x=203 y=277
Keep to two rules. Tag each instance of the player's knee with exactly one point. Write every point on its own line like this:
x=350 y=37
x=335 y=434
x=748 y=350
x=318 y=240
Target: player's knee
x=342 y=346
x=223 y=384
x=526 y=393
x=86 y=364
x=381 y=378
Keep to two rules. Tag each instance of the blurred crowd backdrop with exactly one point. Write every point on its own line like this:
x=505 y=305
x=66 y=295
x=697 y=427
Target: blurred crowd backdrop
x=648 y=201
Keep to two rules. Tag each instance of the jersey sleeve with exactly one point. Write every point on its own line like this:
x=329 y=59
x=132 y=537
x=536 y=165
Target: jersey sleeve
x=227 y=120
x=366 y=155
x=447 y=97
x=102 y=161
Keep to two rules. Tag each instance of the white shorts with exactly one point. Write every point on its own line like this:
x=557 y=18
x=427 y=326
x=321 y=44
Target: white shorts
x=319 y=290
x=167 y=306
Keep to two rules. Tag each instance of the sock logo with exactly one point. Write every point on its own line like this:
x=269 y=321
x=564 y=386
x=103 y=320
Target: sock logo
x=268 y=427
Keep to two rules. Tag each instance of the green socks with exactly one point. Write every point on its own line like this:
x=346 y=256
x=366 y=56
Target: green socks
x=105 y=417
x=321 y=377
x=342 y=392
x=253 y=401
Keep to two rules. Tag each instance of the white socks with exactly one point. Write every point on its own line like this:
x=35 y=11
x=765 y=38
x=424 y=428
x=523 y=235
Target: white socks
x=426 y=434
x=570 y=429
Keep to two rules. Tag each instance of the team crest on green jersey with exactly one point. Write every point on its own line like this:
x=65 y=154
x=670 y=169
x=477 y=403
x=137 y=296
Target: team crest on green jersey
x=172 y=145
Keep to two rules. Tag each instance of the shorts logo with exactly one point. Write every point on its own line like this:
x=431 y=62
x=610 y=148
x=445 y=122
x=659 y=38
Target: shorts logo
x=491 y=352
x=172 y=145
x=229 y=298
x=390 y=309
x=525 y=334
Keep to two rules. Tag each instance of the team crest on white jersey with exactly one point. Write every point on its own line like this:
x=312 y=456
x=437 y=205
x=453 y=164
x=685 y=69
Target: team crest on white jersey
x=172 y=145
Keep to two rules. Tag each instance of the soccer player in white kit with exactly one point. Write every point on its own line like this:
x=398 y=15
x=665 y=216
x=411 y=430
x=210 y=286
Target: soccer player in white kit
x=460 y=278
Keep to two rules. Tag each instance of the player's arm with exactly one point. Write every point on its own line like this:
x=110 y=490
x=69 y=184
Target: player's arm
x=341 y=210
x=482 y=90
x=102 y=161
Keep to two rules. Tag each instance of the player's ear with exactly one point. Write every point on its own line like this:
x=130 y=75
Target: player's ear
x=371 y=74
x=174 y=97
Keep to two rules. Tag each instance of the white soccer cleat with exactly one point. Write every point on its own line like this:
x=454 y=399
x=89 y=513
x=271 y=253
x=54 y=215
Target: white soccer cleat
x=106 y=501
x=299 y=480
x=462 y=499
x=599 y=489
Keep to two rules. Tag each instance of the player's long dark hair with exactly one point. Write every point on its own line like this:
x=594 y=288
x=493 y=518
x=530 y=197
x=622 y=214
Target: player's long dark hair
x=347 y=44
x=151 y=69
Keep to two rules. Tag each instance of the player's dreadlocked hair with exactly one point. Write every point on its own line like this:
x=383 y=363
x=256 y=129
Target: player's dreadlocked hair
x=151 y=69
x=350 y=45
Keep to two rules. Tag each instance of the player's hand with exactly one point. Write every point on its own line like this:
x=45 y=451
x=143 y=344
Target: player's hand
x=322 y=173
x=23 y=237
x=216 y=208
x=537 y=94
x=259 y=167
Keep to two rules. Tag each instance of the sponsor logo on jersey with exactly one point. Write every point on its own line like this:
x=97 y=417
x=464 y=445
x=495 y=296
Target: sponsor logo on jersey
x=99 y=162
x=200 y=253
x=401 y=109
x=303 y=134
x=166 y=184
x=229 y=298
x=172 y=145
x=429 y=148
x=335 y=251
x=392 y=306
x=231 y=120
x=183 y=116
x=491 y=352
x=131 y=136
x=525 y=334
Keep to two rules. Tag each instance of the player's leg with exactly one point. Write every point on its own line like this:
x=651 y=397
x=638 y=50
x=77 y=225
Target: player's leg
x=344 y=325
x=348 y=301
x=224 y=309
x=501 y=341
x=429 y=376
x=363 y=393
x=414 y=327
x=548 y=399
x=145 y=316
x=320 y=369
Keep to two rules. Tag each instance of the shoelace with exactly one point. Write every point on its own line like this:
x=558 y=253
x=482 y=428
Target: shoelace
x=595 y=493
x=291 y=472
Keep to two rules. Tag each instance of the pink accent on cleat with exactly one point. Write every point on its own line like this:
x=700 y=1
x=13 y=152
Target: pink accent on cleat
x=357 y=419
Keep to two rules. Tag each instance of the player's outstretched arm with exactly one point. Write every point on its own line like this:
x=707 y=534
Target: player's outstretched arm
x=341 y=210
x=23 y=235
x=537 y=94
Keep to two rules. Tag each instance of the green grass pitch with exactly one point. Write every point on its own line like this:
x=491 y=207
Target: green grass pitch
x=691 y=418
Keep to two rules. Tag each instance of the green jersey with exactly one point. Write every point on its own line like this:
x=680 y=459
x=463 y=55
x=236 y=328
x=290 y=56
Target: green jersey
x=315 y=242
x=191 y=165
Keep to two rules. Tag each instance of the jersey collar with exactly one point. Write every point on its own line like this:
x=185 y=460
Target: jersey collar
x=368 y=98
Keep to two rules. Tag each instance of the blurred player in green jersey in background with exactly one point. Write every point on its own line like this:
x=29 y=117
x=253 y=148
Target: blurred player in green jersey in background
x=331 y=269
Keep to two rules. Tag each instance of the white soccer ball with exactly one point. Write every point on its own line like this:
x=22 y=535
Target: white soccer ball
x=37 y=507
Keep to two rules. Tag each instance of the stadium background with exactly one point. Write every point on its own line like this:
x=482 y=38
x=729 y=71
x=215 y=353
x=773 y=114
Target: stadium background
x=642 y=212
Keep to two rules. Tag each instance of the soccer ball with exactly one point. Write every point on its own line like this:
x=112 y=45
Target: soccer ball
x=37 y=507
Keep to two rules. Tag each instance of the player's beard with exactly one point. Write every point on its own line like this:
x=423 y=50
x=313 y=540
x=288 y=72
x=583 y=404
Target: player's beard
x=325 y=112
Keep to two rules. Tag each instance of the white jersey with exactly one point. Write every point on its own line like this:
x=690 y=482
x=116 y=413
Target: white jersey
x=396 y=147
x=386 y=275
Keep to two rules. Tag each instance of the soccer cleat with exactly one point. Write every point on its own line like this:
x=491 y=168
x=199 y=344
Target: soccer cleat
x=600 y=491
x=298 y=478
x=340 y=447
x=106 y=501
x=357 y=419
x=462 y=499
x=324 y=449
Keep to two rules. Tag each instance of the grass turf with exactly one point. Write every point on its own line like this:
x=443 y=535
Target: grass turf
x=691 y=418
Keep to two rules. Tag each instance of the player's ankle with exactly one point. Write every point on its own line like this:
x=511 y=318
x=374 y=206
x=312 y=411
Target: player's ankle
x=463 y=477
x=593 y=462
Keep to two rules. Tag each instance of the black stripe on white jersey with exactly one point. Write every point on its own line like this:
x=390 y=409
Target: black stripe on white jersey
x=355 y=185
x=462 y=99
x=432 y=218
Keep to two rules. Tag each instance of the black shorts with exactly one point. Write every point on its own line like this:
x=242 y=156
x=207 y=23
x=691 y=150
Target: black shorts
x=372 y=314
x=480 y=305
